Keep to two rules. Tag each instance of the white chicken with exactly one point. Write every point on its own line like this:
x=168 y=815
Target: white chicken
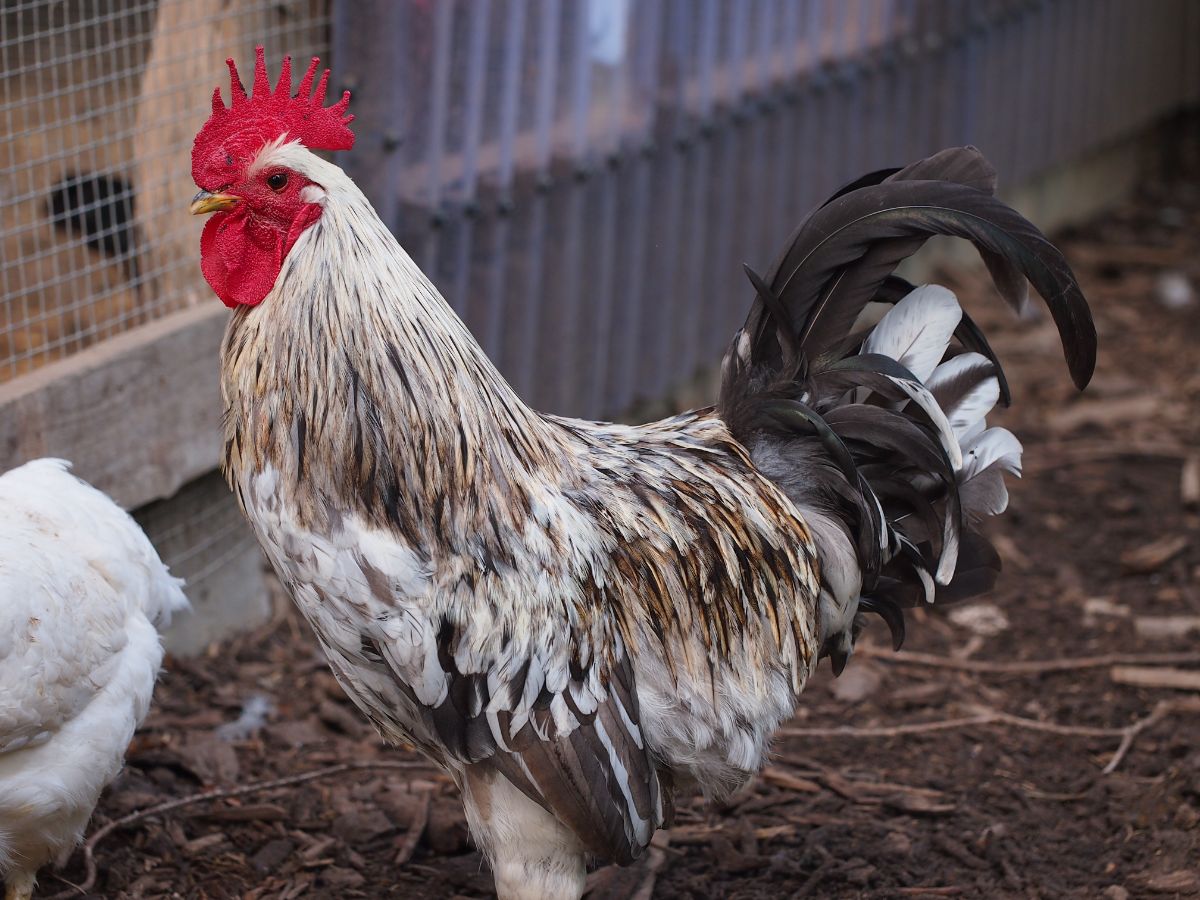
x=82 y=596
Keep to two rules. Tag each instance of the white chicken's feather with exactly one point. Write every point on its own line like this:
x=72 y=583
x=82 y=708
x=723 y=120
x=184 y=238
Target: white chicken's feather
x=82 y=592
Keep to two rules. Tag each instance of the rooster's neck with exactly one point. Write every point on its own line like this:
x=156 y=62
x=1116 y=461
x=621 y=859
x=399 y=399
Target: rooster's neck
x=359 y=385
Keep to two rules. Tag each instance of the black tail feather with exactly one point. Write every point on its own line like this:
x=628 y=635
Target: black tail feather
x=881 y=454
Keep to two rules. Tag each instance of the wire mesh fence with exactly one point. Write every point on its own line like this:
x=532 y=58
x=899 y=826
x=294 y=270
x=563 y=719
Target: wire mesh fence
x=99 y=101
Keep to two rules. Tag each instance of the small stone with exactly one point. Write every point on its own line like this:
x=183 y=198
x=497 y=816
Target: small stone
x=1174 y=290
x=1116 y=892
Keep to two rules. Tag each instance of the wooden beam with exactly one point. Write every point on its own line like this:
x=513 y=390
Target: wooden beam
x=138 y=414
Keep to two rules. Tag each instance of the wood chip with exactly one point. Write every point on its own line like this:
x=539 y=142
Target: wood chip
x=251 y=812
x=788 y=781
x=1177 y=882
x=1152 y=556
x=917 y=804
x=1166 y=627
x=1189 y=482
x=419 y=821
x=194 y=847
x=1157 y=677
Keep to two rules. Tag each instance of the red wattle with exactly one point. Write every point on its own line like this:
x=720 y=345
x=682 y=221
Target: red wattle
x=241 y=259
x=240 y=262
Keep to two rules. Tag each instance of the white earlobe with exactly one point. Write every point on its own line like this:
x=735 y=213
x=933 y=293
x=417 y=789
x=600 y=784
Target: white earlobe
x=313 y=193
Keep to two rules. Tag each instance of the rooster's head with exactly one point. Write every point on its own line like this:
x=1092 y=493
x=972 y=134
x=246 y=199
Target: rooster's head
x=240 y=163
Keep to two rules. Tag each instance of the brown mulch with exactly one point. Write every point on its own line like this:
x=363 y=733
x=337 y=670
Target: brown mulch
x=1102 y=560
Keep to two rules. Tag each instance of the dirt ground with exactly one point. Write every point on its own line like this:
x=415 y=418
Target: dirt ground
x=965 y=768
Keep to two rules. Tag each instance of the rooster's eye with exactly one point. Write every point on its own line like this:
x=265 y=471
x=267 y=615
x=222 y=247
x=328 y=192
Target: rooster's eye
x=278 y=181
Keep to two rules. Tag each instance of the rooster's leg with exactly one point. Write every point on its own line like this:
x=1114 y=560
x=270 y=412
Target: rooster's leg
x=18 y=884
x=533 y=855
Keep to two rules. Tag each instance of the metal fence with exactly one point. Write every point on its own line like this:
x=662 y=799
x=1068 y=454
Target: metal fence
x=582 y=178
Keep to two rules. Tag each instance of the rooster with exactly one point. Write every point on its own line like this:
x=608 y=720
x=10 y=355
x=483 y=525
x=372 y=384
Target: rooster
x=578 y=620
x=83 y=595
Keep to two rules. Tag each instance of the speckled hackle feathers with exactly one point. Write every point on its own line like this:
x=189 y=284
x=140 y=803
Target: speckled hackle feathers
x=232 y=132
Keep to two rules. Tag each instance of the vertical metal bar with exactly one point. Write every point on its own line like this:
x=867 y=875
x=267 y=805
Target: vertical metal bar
x=463 y=229
x=597 y=400
x=493 y=318
x=1023 y=146
x=581 y=87
x=665 y=331
x=737 y=52
x=646 y=63
x=627 y=357
x=789 y=35
x=707 y=57
x=902 y=105
x=694 y=287
x=1060 y=81
x=837 y=95
x=364 y=45
x=970 y=98
x=567 y=346
x=547 y=70
x=626 y=367
x=473 y=125
x=531 y=302
x=443 y=27
x=514 y=35
x=782 y=126
x=766 y=34
x=1099 y=74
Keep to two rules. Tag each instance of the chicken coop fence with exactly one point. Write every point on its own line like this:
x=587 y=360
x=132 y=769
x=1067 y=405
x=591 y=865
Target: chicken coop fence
x=582 y=179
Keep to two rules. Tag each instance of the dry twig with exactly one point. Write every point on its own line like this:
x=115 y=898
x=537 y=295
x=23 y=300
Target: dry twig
x=89 y=846
x=986 y=716
x=1037 y=666
x=1157 y=677
x=416 y=828
x=655 y=860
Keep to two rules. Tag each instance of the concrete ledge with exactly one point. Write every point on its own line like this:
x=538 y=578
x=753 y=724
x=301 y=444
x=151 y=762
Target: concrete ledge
x=138 y=414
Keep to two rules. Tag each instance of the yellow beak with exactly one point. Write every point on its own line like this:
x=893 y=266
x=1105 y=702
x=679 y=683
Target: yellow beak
x=204 y=203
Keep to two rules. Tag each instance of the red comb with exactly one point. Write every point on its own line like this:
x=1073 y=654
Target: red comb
x=222 y=145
